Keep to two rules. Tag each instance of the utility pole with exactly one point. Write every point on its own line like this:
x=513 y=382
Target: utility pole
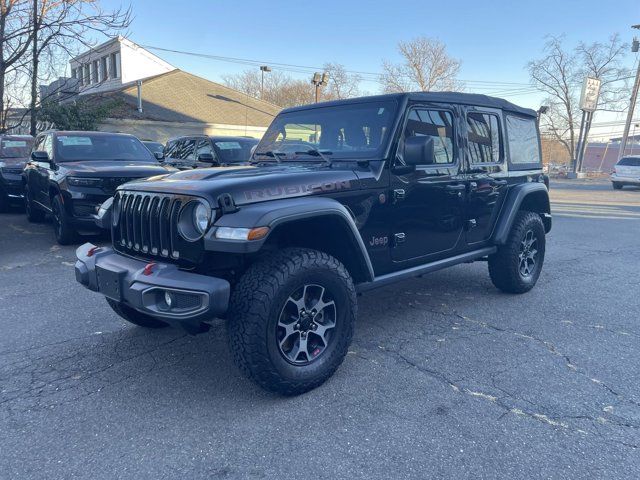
x=34 y=70
x=263 y=68
x=632 y=103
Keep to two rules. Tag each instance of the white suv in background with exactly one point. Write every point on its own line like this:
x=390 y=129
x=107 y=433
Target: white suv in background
x=626 y=172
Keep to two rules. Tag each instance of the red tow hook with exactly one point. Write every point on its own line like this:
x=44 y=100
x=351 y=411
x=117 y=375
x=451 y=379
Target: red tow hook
x=92 y=250
x=148 y=268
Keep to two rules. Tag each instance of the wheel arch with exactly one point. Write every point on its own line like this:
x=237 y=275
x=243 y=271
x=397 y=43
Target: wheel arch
x=531 y=196
x=320 y=223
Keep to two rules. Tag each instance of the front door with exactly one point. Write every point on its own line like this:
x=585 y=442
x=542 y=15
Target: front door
x=429 y=202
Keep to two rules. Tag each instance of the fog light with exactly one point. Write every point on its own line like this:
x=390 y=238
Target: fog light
x=168 y=299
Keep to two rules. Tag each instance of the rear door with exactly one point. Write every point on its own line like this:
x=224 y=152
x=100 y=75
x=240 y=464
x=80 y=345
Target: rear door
x=486 y=172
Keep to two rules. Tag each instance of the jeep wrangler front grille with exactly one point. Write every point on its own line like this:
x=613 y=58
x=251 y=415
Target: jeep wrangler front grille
x=146 y=225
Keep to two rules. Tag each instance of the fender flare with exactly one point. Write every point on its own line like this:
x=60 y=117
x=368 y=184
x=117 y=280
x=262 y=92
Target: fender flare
x=278 y=212
x=512 y=204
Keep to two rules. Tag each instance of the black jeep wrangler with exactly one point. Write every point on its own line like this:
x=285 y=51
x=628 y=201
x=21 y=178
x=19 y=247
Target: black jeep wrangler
x=341 y=197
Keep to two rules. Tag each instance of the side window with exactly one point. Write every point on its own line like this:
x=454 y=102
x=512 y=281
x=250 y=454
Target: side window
x=524 y=149
x=47 y=145
x=188 y=149
x=171 y=150
x=204 y=146
x=438 y=124
x=484 y=138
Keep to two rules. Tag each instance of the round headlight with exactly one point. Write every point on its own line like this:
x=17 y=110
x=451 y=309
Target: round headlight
x=194 y=220
x=201 y=217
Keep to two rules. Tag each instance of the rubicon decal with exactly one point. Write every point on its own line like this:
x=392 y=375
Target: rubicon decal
x=292 y=190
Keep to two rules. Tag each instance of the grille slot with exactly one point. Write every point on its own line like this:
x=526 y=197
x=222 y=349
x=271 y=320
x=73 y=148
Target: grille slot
x=147 y=224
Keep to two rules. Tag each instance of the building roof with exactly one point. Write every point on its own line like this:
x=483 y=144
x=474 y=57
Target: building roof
x=439 y=97
x=178 y=96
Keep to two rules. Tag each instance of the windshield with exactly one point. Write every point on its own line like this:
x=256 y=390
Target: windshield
x=88 y=147
x=351 y=130
x=234 y=151
x=15 y=148
x=154 y=147
x=629 y=162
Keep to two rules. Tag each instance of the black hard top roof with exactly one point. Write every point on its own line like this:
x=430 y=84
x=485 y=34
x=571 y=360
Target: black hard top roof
x=474 y=99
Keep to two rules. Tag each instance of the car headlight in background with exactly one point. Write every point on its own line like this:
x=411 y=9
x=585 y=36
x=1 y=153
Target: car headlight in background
x=194 y=220
x=231 y=233
x=84 y=182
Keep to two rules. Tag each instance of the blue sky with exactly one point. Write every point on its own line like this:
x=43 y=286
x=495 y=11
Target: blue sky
x=493 y=40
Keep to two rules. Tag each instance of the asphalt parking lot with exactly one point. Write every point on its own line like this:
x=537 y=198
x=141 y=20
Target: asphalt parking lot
x=447 y=377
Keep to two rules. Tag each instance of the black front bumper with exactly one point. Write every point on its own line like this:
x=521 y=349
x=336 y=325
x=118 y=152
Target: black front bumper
x=194 y=298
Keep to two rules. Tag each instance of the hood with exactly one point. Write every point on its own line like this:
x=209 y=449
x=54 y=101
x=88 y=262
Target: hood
x=14 y=162
x=250 y=184
x=106 y=168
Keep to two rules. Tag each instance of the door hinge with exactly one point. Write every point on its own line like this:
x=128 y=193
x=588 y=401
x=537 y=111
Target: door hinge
x=398 y=238
x=398 y=195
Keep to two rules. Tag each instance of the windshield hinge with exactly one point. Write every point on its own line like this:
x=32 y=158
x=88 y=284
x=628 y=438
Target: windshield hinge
x=226 y=204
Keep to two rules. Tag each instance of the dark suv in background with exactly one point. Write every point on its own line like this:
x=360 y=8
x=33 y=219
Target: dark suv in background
x=70 y=175
x=14 y=153
x=199 y=151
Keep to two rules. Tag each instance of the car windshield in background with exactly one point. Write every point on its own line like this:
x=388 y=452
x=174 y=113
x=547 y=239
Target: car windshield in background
x=154 y=147
x=629 y=162
x=234 y=151
x=351 y=130
x=15 y=148
x=70 y=148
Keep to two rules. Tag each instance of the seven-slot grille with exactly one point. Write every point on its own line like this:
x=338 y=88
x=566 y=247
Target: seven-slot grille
x=147 y=223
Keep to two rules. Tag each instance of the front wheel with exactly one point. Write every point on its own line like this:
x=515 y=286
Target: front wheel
x=65 y=233
x=291 y=320
x=617 y=186
x=516 y=266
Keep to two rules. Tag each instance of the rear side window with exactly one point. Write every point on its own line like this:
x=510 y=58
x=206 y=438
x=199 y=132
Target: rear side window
x=171 y=149
x=629 y=162
x=484 y=138
x=524 y=147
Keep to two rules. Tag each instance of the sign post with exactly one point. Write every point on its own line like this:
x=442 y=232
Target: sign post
x=588 y=105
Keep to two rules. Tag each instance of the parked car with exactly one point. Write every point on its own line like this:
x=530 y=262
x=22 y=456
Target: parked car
x=155 y=147
x=626 y=172
x=199 y=151
x=381 y=189
x=14 y=153
x=70 y=175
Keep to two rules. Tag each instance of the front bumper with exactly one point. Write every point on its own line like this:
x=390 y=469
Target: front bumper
x=12 y=188
x=625 y=180
x=194 y=298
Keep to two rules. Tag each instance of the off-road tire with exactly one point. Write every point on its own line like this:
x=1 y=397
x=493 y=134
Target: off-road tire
x=617 y=185
x=65 y=233
x=135 y=317
x=257 y=303
x=34 y=214
x=505 y=264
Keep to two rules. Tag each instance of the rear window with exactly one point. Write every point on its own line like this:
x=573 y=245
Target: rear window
x=629 y=162
x=524 y=147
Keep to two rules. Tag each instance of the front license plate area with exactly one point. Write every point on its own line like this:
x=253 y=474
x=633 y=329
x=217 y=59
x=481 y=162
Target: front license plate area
x=109 y=283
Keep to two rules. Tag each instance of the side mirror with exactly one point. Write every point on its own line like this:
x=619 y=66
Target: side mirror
x=206 y=158
x=159 y=156
x=40 y=156
x=418 y=150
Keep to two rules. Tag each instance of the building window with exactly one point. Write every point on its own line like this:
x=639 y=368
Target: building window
x=104 y=73
x=94 y=72
x=86 y=77
x=115 y=65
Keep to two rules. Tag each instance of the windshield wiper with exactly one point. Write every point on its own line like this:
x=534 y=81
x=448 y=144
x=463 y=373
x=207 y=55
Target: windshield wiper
x=271 y=153
x=314 y=152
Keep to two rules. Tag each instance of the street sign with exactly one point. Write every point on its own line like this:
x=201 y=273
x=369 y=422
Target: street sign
x=589 y=95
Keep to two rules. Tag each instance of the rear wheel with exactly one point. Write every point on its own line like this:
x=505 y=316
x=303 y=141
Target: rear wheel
x=34 y=214
x=134 y=316
x=291 y=320
x=516 y=266
x=617 y=186
x=65 y=233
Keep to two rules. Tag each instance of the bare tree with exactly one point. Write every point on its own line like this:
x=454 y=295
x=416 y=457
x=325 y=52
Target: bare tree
x=341 y=83
x=559 y=74
x=62 y=27
x=426 y=66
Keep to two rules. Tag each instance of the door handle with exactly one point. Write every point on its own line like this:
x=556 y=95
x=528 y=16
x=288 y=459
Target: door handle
x=459 y=187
